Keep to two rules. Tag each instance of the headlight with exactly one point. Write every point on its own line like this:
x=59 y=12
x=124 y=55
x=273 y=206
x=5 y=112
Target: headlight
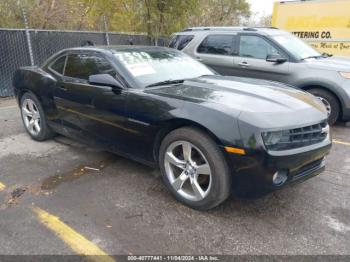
x=345 y=74
x=272 y=138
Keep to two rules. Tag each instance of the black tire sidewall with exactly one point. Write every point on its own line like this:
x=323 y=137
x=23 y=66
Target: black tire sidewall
x=332 y=100
x=221 y=180
x=45 y=131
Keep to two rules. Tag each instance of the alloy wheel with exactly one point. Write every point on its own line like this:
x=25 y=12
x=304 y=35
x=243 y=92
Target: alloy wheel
x=188 y=170
x=326 y=104
x=31 y=117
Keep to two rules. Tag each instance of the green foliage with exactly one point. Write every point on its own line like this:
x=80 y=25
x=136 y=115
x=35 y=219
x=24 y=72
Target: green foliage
x=10 y=14
x=155 y=17
x=220 y=13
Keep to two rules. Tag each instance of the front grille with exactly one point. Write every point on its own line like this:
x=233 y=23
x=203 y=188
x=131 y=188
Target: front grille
x=298 y=137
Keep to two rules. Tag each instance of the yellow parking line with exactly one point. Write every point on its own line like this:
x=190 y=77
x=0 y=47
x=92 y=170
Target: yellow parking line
x=73 y=239
x=341 y=142
x=2 y=186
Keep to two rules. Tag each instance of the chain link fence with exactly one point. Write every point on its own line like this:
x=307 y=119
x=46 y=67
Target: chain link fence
x=13 y=54
x=15 y=51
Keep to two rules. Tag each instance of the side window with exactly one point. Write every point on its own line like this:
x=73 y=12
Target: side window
x=184 y=41
x=58 y=65
x=83 y=65
x=255 y=47
x=103 y=66
x=179 y=42
x=173 y=41
x=217 y=44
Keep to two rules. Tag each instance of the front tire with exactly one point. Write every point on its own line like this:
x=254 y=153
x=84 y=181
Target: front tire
x=34 y=119
x=331 y=103
x=194 y=169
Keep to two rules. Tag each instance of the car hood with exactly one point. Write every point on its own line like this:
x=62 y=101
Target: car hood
x=335 y=63
x=243 y=94
x=253 y=98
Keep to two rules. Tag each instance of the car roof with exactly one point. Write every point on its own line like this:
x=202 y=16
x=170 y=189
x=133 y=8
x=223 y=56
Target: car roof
x=228 y=29
x=116 y=48
x=108 y=50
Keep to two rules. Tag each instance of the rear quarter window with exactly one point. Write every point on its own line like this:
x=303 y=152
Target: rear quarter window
x=58 y=65
x=179 y=42
x=217 y=45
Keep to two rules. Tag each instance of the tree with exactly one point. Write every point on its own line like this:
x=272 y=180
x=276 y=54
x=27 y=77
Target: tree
x=220 y=13
x=155 y=17
x=163 y=17
x=10 y=14
x=258 y=20
x=265 y=20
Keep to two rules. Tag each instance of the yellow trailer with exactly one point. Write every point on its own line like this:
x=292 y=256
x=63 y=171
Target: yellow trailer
x=324 y=24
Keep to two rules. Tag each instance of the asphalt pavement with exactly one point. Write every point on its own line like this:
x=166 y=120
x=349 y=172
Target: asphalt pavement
x=62 y=197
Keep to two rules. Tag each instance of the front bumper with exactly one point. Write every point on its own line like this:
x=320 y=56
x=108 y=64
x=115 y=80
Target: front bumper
x=256 y=169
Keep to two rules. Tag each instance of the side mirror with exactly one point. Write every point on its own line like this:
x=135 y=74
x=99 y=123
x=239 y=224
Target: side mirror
x=105 y=80
x=276 y=59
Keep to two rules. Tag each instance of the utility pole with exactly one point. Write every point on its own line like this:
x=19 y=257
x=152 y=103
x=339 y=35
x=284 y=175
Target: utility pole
x=106 y=29
x=26 y=26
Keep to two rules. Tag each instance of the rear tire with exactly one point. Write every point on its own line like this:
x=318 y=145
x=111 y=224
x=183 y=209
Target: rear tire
x=34 y=119
x=330 y=101
x=199 y=178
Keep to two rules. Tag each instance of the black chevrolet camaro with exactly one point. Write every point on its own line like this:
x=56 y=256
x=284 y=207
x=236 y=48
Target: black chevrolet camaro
x=208 y=134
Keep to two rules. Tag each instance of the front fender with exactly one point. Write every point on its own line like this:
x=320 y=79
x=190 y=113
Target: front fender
x=223 y=125
x=334 y=87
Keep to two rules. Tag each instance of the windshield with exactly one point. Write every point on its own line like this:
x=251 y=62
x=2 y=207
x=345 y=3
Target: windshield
x=154 y=66
x=297 y=47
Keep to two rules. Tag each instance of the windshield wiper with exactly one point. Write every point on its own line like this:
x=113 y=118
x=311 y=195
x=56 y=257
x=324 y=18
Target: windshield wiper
x=327 y=55
x=312 y=56
x=167 y=82
x=324 y=55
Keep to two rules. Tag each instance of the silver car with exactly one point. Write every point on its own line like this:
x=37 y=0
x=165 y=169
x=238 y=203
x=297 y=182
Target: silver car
x=271 y=54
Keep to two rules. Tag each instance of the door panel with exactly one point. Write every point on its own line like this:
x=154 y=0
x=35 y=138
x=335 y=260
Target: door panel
x=216 y=51
x=94 y=113
x=221 y=64
x=102 y=119
x=259 y=68
x=251 y=60
x=68 y=96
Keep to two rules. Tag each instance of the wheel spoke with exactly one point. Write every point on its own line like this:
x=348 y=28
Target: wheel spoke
x=174 y=160
x=26 y=112
x=198 y=191
x=31 y=125
x=37 y=125
x=36 y=115
x=31 y=106
x=179 y=181
x=187 y=150
x=203 y=169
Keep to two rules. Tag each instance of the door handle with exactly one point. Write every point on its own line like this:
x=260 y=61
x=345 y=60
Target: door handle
x=199 y=59
x=244 y=64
